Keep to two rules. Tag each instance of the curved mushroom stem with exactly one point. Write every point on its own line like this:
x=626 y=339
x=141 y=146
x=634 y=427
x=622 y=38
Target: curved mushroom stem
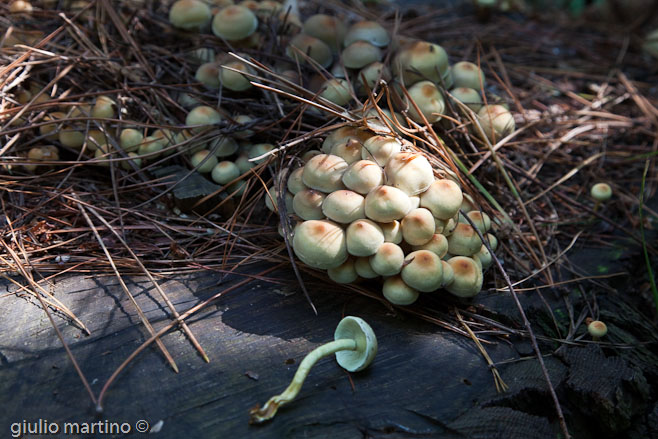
x=267 y=412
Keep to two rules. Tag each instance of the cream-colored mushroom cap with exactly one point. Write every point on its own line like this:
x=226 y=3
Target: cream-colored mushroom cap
x=410 y=172
x=344 y=273
x=483 y=257
x=422 y=270
x=203 y=161
x=308 y=155
x=464 y=241
x=388 y=259
x=364 y=237
x=480 y=219
x=243 y=163
x=467 y=96
x=336 y=90
x=149 y=146
x=601 y=192
x=223 y=146
x=370 y=31
x=344 y=206
x=349 y=151
x=202 y=115
x=130 y=139
x=398 y=292
x=493 y=241
x=467 y=74
x=421 y=61
x=307 y=204
x=467 y=280
x=450 y=226
x=343 y=134
x=359 y=54
x=316 y=49
x=50 y=130
x=437 y=244
x=418 y=226
x=190 y=14
x=324 y=172
x=104 y=108
x=272 y=197
x=373 y=72
x=496 y=121
x=448 y=273
x=364 y=269
x=429 y=100
x=392 y=232
x=380 y=149
x=295 y=183
x=259 y=150
x=356 y=329
x=233 y=80
x=225 y=171
x=208 y=75
x=597 y=328
x=234 y=22
x=387 y=203
x=320 y=244
x=326 y=28
x=95 y=138
x=363 y=176
x=443 y=198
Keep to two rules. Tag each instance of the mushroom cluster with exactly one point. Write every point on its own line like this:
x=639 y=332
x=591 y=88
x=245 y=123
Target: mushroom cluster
x=368 y=207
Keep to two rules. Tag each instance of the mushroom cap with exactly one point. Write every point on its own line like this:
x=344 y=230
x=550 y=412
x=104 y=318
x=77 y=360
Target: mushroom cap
x=359 y=54
x=343 y=134
x=387 y=203
x=308 y=155
x=429 y=100
x=344 y=206
x=233 y=80
x=104 y=108
x=336 y=90
x=597 y=328
x=130 y=139
x=234 y=22
x=95 y=138
x=464 y=241
x=650 y=44
x=295 y=183
x=223 y=146
x=480 y=219
x=208 y=75
x=380 y=149
x=364 y=237
x=358 y=330
x=467 y=74
x=392 y=232
x=443 y=198
x=388 y=259
x=370 y=31
x=345 y=273
x=450 y=226
x=418 y=226
x=467 y=96
x=399 y=293
x=349 y=151
x=324 y=172
x=150 y=145
x=483 y=257
x=415 y=202
x=243 y=163
x=243 y=119
x=601 y=192
x=422 y=270
x=326 y=28
x=316 y=49
x=202 y=115
x=438 y=244
x=363 y=176
x=467 y=281
x=204 y=161
x=225 y=171
x=258 y=150
x=496 y=121
x=422 y=61
x=320 y=244
x=364 y=269
x=190 y=14
x=137 y=161
x=410 y=172
x=307 y=204
x=372 y=73
x=448 y=273
x=493 y=241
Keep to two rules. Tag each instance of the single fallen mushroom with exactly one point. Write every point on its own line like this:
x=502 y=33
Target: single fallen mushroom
x=596 y=329
x=600 y=192
x=355 y=346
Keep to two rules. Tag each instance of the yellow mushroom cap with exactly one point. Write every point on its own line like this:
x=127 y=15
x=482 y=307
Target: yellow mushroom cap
x=243 y=119
x=104 y=108
x=130 y=139
x=20 y=6
x=344 y=273
x=429 y=100
x=359 y=54
x=496 y=121
x=225 y=171
x=208 y=75
x=443 y=198
x=71 y=137
x=349 y=151
x=370 y=74
x=387 y=203
x=422 y=270
x=202 y=115
x=336 y=90
x=388 y=259
x=364 y=237
x=392 y=232
x=363 y=176
x=190 y=14
x=150 y=145
x=467 y=74
x=422 y=61
x=320 y=244
x=316 y=49
x=135 y=159
x=380 y=149
x=364 y=269
x=493 y=241
x=295 y=183
x=324 y=172
x=203 y=161
x=601 y=192
x=467 y=281
x=437 y=244
x=418 y=226
x=480 y=219
x=326 y=28
x=398 y=292
x=597 y=328
x=307 y=204
x=410 y=172
x=344 y=206
x=468 y=96
x=234 y=22
x=464 y=241
x=233 y=80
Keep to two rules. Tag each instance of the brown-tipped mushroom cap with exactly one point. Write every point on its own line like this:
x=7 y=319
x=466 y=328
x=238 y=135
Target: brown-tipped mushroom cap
x=233 y=80
x=467 y=74
x=345 y=273
x=130 y=139
x=316 y=49
x=234 y=22
x=369 y=31
x=464 y=241
x=443 y=198
x=423 y=271
x=190 y=14
x=344 y=206
x=438 y=244
x=324 y=172
x=363 y=176
x=388 y=259
x=597 y=328
x=496 y=121
x=410 y=172
x=336 y=90
x=467 y=281
x=372 y=73
x=320 y=244
x=398 y=292
x=349 y=151
x=467 y=96
x=204 y=161
x=429 y=101
x=422 y=61
x=366 y=344
x=392 y=232
x=418 y=226
x=601 y=192
x=307 y=204
x=104 y=108
x=225 y=171
x=364 y=237
x=326 y=28
x=387 y=203
x=344 y=134
x=380 y=149
x=359 y=54
x=203 y=116
x=480 y=219
x=208 y=75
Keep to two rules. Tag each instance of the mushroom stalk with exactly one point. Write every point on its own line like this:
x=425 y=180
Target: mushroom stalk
x=267 y=412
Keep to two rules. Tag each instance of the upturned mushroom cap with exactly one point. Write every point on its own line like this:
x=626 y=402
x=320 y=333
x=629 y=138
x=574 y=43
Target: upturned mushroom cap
x=104 y=108
x=399 y=293
x=387 y=203
x=464 y=241
x=423 y=271
x=234 y=22
x=336 y=90
x=467 y=281
x=422 y=61
x=467 y=96
x=418 y=226
x=344 y=273
x=429 y=100
x=233 y=80
x=438 y=244
x=388 y=259
x=370 y=31
x=443 y=198
x=359 y=54
x=208 y=75
x=597 y=328
x=203 y=116
x=295 y=183
x=223 y=146
x=307 y=204
x=326 y=28
x=496 y=121
x=190 y=14
x=344 y=134
x=364 y=269
x=204 y=161
x=344 y=206
x=324 y=172
x=349 y=151
x=358 y=330
x=363 y=176
x=601 y=192
x=364 y=237
x=225 y=171
x=320 y=244
x=392 y=232
x=316 y=49
x=410 y=172
x=467 y=74
x=480 y=219
x=380 y=149
x=130 y=139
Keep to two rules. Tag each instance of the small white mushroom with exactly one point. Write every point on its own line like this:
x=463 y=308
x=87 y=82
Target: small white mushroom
x=320 y=244
x=324 y=173
x=410 y=172
x=344 y=206
x=387 y=203
x=364 y=237
x=363 y=176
